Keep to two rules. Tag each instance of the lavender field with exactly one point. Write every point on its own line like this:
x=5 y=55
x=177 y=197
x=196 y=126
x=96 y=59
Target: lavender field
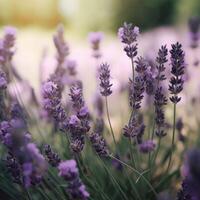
x=100 y=116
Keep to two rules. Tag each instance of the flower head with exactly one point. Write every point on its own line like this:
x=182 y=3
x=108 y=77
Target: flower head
x=147 y=146
x=128 y=33
x=177 y=71
x=104 y=76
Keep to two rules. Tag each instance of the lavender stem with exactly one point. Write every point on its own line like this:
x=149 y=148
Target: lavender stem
x=108 y=116
x=173 y=137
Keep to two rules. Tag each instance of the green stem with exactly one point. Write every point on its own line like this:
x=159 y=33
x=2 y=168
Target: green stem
x=173 y=138
x=133 y=70
x=132 y=157
x=114 y=180
x=137 y=172
x=108 y=116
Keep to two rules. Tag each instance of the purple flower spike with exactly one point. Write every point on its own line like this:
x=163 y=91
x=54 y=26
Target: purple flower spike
x=95 y=39
x=105 y=85
x=76 y=189
x=3 y=81
x=177 y=71
x=147 y=146
x=99 y=144
x=68 y=169
x=128 y=35
x=53 y=158
x=60 y=44
x=194 y=25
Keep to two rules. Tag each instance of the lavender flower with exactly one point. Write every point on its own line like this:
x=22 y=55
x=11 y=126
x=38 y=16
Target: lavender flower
x=76 y=95
x=23 y=154
x=69 y=171
x=3 y=81
x=35 y=165
x=134 y=129
x=147 y=146
x=137 y=89
x=52 y=102
x=60 y=44
x=194 y=25
x=128 y=35
x=95 y=39
x=104 y=76
x=53 y=158
x=78 y=124
x=159 y=101
x=99 y=144
x=6 y=50
x=150 y=83
x=178 y=65
x=191 y=173
x=13 y=168
x=161 y=60
x=141 y=66
x=71 y=67
x=184 y=193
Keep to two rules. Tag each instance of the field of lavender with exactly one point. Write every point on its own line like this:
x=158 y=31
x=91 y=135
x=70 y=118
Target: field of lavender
x=124 y=127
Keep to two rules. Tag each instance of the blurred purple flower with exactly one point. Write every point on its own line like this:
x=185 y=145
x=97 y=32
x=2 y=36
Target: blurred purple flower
x=69 y=171
x=61 y=45
x=3 y=80
x=147 y=146
x=194 y=25
x=95 y=39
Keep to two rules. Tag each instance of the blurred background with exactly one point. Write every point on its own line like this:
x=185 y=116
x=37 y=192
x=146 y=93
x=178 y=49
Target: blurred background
x=36 y=22
x=86 y=15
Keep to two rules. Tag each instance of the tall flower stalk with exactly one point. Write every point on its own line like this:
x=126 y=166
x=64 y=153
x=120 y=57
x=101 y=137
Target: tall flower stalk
x=176 y=85
x=105 y=90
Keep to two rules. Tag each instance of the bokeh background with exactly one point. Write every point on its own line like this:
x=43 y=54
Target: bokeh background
x=160 y=21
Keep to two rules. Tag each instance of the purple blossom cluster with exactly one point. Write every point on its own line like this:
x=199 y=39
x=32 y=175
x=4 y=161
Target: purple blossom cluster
x=99 y=144
x=52 y=157
x=128 y=35
x=52 y=102
x=191 y=183
x=7 y=45
x=24 y=161
x=104 y=76
x=78 y=124
x=95 y=39
x=178 y=64
x=61 y=46
x=147 y=146
x=69 y=171
x=194 y=25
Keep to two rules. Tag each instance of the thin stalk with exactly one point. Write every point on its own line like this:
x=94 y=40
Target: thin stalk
x=173 y=138
x=157 y=150
x=132 y=157
x=108 y=116
x=28 y=195
x=114 y=180
x=79 y=160
x=137 y=172
x=133 y=69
